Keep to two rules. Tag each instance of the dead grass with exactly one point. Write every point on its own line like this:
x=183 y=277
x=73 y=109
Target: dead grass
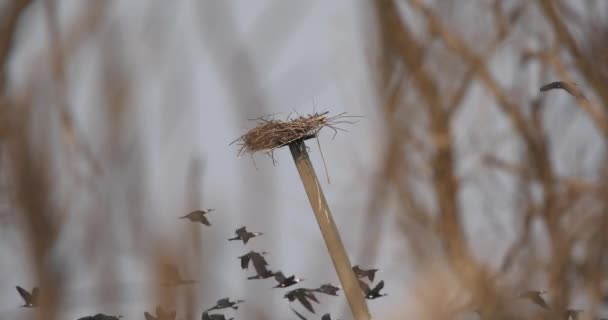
x=271 y=134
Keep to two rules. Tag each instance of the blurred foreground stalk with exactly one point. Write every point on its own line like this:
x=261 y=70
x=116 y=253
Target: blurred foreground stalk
x=338 y=255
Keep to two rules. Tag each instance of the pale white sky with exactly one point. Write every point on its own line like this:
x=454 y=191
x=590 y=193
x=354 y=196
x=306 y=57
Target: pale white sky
x=305 y=55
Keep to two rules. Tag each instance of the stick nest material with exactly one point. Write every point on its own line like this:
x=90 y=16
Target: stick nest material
x=271 y=134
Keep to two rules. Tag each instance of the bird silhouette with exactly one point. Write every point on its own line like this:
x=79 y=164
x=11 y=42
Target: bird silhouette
x=161 y=314
x=303 y=296
x=285 y=282
x=362 y=273
x=571 y=88
x=31 y=299
x=217 y=316
x=198 y=216
x=254 y=257
x=324 y=317
x=171 y=276
x=372 y=293
x=226 y=303
x=536 y=297
x=328 y=289
x=244 y=235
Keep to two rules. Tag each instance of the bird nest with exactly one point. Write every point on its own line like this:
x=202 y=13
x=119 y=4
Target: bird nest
x=271 y=134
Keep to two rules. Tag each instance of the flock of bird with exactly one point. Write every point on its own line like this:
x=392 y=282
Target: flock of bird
x=304 y=296
x=536 y=296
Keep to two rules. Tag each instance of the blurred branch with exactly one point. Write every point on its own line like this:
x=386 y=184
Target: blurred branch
x=586 y=67
x=8 y=30
x=593 y=110
x=409 y=51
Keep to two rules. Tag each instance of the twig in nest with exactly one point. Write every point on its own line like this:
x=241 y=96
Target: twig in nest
x=271 y=134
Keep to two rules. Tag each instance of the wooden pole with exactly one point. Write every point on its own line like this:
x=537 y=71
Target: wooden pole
x=338 y=255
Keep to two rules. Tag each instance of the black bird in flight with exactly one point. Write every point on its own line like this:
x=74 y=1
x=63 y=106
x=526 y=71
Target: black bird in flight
x=285 y=282
x=226 y=303
x=328 y=289
x=303 y=296
x=198 y=216
x=362 y=273
x=536 y=297
x=254 y=257
x=217 y=316
x=161 y=314
x=171 y=276
x=571 y=88
x=243 y=234
x=31 y=300
x=372 y=293
x=324 y=317
x=100 y=316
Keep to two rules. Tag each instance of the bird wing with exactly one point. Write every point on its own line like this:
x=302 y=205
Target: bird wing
x=149 y=316
x=258 y=258
x=246 y=237
x=245 y=261
x=261 y=270
x=205 y=316
x=364 y=286
x=379 y=287
x=240 y=231
x=204 y=220
x=298 y=314
x=371 y=274
x=326 y=317
x=302 y=299
x=223 y=301
x=27 y=297
x=279 y=277
x=308 y=294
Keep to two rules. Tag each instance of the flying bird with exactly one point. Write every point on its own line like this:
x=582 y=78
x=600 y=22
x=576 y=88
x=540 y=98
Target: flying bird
x=31 y=299
x=244 y=235
x=161 y=314
x=285 y=282
x=226 y=303
x=328 y=289
x=569 y=87
x=372 y=293
x=254 y=257
x=362 y=273
x=536 y=297
x=303 y=296
x=172 y=277
x=198 y=216
x=324 y=317
x=217 y=316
